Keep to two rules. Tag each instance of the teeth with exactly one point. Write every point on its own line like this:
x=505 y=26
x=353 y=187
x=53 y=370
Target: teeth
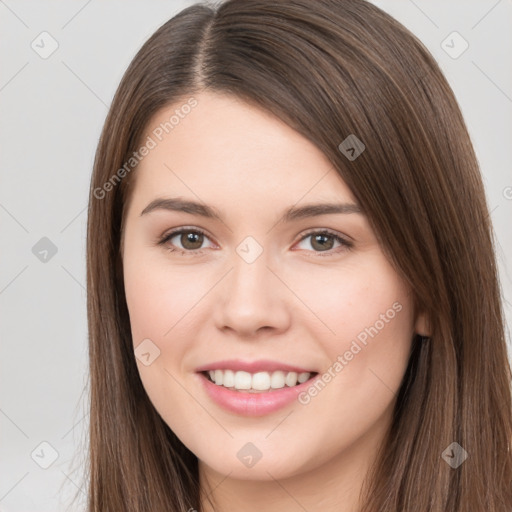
x=260 y=381
x=228 y=379
x=291 y=379
x=303 y=377
x=277 y=380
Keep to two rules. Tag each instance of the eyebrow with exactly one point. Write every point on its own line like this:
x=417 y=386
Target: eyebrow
x=291 y=214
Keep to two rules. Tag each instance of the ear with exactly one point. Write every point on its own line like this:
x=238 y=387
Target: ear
x=422 y=325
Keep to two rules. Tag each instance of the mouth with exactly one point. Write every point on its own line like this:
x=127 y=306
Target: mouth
x=255 y=387
x=254 y=394
x=259 y=382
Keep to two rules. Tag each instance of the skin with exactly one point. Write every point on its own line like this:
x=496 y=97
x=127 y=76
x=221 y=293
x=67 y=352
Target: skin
x=292 y=304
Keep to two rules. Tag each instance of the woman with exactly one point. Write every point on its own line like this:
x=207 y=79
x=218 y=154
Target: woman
x=292 y=292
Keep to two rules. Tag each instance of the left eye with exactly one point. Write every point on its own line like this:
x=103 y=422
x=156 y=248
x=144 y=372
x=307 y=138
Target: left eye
x=324 y=241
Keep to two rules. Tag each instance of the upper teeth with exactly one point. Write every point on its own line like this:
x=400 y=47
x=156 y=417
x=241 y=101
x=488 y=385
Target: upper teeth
x=260 y=381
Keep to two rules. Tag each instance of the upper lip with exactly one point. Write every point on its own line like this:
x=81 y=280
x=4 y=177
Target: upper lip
x=261 y=365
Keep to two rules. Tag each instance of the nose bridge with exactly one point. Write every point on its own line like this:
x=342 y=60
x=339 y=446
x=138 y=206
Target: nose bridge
x=250 y=272
x=249 y=281
x=251 y=296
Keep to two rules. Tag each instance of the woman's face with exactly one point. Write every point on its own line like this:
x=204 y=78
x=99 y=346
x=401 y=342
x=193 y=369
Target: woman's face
x=253 y=285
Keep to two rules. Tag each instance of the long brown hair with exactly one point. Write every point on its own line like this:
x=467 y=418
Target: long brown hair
x=329 y=69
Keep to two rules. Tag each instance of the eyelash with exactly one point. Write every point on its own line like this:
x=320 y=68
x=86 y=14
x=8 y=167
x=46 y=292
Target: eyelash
x=345 y=244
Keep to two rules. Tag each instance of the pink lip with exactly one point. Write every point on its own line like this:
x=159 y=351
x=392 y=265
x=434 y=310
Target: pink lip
x=253 y=404
x=262 y=365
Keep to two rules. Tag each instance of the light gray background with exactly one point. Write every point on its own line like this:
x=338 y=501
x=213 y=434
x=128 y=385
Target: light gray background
x=51 y=114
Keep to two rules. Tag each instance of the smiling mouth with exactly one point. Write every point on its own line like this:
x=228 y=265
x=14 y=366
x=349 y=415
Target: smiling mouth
x=260 y=382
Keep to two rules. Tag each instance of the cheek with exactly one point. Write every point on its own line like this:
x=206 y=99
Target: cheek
x=160 y=298
x=161 y=308
x=365 y=332
x=359 y=295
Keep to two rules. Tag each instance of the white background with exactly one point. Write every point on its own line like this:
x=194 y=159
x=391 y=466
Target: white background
x=51 y=114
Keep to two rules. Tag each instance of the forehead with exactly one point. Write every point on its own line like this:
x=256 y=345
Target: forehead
x=230 y=151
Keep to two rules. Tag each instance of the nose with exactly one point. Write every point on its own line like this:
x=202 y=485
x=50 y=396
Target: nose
x=252 y=299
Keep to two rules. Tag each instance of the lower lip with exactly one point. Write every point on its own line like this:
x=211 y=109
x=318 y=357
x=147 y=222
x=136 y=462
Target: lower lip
x=253 y=404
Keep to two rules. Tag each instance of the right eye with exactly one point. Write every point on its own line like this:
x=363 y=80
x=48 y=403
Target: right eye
x=191 y=240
